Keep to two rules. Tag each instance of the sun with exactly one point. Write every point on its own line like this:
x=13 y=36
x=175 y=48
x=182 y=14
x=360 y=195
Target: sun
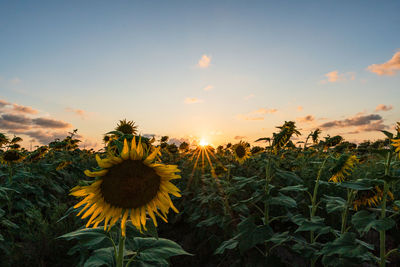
x=203 y=142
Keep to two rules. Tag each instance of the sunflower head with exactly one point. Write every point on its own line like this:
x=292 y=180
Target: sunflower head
x=344 y=165
x=130 y=185
x=126 y=127
x=241 y=151
x=396 y=144
x=370 y=198
x=12 y=156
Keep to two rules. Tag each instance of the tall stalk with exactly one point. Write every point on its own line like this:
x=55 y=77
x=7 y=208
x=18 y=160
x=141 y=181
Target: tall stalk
x=268 y=178
x=121 y=248
x=314 y=204
x=382 y=233
x=350 y=198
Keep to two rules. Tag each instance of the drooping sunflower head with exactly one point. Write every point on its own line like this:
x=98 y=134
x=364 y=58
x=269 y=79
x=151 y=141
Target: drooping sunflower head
x=12 y=156
x=241 y=151
x=126 y=127
x=130 y=185
x=344 y=165
x=370 y=198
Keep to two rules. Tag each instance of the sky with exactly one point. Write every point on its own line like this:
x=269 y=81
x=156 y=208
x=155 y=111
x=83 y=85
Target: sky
x=220 y=70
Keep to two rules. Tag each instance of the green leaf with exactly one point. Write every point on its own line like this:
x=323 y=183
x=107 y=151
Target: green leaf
x=151 y=249
x=85 y=233
x=228 y=244
x=388 y=134
x=356 y=185
x=280 y=238
x=101 y=257
x=297 y=188
x=316 y=224
x=250 y=234
x=363 y=221
x=282 y=200
x=334 y=204
x=345 y=246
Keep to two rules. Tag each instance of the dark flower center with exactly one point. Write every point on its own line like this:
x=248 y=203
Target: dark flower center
x=130 y=184
x=240 y=151
x=11 y=155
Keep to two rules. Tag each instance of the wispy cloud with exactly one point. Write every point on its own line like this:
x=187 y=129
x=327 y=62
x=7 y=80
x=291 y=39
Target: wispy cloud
x=264 y=111
x=306 y=119
x=15 y=81
x=193 y=100
x=208 y=88
x=335 y=76
x=24 y=109
x=256 y=115
x=239 y=137
x=370 y=122
x=249 y=97
x=382 y=107
x=389 y=68
x=204 y=61
x=78 y=112
x=249 y=118
x=51 y=123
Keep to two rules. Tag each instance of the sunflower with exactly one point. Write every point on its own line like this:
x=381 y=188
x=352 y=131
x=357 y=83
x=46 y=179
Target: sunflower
x=126 y=127
x=396 y=144
x=343 y=167
x=129 y=185
x=11 y=156
x=241 y=152
x=370 y=197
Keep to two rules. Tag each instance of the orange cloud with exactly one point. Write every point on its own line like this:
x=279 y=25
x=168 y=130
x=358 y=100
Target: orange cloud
x=192 y=100
x=335 y=76
x=388 y=68
x=204 y=61
x=24 y=109
x=299 y=108
x=79 y=112
x=208 y=88
x=249 y=118
x=264 y=111
x=308 y=118
x=249 y=96
x=382 y=107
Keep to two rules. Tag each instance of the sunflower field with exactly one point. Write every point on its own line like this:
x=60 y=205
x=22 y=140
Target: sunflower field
x=146 y=202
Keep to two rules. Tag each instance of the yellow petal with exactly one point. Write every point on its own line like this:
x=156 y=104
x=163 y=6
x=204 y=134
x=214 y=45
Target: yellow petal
x=96 y=173
x=103 y=163
x=152 y=156
x=123 y=222
x=132 y=153
x=125 y=151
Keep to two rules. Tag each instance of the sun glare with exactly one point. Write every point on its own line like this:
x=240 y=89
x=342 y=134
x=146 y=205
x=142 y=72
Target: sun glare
x=203 y=142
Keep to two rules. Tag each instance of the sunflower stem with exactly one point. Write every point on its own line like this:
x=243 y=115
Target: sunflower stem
x=350 y=194
x=10 y=172
x=121 y=248
x=314 y=205
x=267 y=181
x=382 y=233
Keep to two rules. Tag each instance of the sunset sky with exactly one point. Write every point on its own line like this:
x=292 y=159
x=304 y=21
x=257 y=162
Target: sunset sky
x=220 y=70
